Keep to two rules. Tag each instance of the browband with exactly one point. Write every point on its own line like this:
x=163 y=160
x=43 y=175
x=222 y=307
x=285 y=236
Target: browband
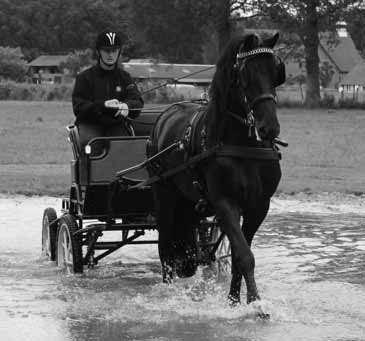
x=254 y=52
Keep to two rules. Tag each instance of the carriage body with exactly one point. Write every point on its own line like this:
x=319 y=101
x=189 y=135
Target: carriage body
x=91 y=178
x=100 y=202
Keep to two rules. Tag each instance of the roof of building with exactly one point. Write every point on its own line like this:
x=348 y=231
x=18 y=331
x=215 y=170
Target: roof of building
x=342 y=52
x=181 y=73
x=356 y=76
x=48 y=60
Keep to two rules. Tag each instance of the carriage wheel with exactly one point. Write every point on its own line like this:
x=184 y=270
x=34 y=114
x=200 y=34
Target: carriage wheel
x=49 y=232
x=69 y=246
x=223 y=254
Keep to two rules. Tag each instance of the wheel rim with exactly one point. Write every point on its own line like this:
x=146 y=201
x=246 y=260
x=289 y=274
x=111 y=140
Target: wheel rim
x=223 y=255
x=46 y=238
x=64 y=249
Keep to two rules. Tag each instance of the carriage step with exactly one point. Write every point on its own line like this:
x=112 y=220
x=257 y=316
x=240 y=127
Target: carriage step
x=115 y=227
x=90 y=228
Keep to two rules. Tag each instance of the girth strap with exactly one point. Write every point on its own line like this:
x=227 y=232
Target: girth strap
x=191 y=162
x=248 y=153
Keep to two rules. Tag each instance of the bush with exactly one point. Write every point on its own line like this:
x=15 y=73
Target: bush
x=328 y=101
x=350 y=103
x=163 y=95
x=12 y=64
x=10 y=90
x=287 y=103
x=4 y=91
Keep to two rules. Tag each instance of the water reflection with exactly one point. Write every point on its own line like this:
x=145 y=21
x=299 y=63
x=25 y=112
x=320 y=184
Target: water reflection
x=322 y=247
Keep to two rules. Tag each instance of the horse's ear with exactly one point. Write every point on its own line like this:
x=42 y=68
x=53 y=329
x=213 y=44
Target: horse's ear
x=252 y=41
x=270 y=42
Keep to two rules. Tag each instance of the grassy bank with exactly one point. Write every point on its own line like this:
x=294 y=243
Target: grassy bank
x=326 y=150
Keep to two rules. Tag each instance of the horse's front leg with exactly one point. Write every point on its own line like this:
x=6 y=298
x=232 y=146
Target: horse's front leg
x=165 y=201
x=243 y=261
x=252 y=220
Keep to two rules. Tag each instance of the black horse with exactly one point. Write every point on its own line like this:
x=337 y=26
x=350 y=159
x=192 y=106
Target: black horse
x=239 y=170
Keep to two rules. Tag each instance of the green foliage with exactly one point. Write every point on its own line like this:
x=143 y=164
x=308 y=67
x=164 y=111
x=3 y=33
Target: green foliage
x=355 y=19
x=58 y=26
x=77 y=61
x=170 y=30
x=10 y=90
x=326 y=74
x=306 y=19
x=350 y=103
x=12 y=64
x=328 y=101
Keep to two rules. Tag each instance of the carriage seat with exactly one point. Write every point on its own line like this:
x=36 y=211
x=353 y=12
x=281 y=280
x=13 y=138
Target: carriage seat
x=120 y=152
x=91 y=176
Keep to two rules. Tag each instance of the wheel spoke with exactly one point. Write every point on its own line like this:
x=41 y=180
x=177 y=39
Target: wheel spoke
x=223 y=254
x=68 y=248
x=46 y=245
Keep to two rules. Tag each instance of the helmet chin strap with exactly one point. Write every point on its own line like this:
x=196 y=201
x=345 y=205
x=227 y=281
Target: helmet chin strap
x=100 y=59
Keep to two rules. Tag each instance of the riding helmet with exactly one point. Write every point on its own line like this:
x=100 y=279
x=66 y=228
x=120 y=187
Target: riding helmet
x=108 y=39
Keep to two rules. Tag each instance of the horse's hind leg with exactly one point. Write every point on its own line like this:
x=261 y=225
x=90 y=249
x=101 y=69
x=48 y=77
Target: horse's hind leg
x=251 y=222
x=165 y=201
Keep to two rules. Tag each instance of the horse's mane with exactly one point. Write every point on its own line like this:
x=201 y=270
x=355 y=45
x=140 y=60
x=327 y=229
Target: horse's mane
x=222 y=82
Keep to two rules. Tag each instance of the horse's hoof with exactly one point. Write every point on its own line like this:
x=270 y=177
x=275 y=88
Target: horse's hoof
x=263 y=316
x=259 y=310
x=167 y=279
x=253 y=298
x=186 y=268
x=233 y=301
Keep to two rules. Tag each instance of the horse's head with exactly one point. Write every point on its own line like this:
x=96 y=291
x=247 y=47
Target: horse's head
x=259 y=72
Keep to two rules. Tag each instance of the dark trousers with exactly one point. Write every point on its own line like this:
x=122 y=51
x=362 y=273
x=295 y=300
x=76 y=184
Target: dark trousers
x=87 y=131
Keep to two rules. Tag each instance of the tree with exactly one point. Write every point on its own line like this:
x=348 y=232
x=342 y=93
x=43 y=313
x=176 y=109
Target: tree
x=78 y=60
x=307 y=19
x=12 y=64
x=355 y=19
x=58 y=26
x=169 y=30
x=180 y=30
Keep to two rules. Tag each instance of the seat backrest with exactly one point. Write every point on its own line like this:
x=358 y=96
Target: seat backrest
x=74 y=139
x=121 y=153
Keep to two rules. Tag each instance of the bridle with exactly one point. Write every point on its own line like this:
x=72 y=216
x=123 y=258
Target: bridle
x=240 y=64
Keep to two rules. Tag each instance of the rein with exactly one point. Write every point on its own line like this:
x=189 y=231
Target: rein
x=231 y=151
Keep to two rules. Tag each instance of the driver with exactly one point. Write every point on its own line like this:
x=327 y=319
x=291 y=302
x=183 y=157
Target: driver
x=104 y=95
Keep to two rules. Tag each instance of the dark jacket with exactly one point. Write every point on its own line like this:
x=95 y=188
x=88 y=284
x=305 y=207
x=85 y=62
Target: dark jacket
x=94 y=86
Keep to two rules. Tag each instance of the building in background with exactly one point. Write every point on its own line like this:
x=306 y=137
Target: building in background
x=337 y=54
x=353 y=84
x=46 y=69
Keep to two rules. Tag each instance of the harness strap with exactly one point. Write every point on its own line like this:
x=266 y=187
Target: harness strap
x=217 y=151
x=263 y=97
x=190 y=162
x=251 y=153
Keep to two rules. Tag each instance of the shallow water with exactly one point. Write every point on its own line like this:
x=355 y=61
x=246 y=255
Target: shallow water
x=310 y=269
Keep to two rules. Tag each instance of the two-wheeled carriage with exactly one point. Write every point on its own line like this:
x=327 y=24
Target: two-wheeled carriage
x=107 y=195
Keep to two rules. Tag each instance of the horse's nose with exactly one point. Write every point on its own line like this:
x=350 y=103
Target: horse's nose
x=269 y=133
